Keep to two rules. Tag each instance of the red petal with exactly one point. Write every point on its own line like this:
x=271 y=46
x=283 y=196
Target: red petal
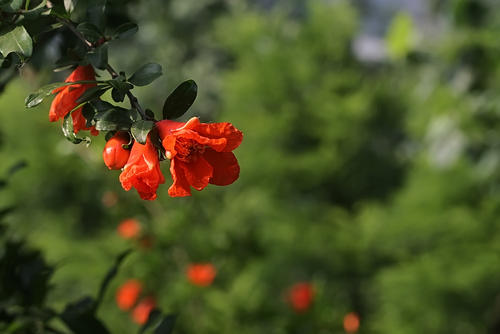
x=221 y=130
x=180 y=187
x=225 y=167
x=217 y=144
x=198 y=173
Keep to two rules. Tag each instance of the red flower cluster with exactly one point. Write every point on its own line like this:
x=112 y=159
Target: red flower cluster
x=201 y=274
x=301 y=296
x=127 y=296
x=199 y=153
x=66 y=97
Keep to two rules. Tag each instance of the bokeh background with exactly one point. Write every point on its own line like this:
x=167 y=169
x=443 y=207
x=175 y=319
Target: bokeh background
x=369 y=168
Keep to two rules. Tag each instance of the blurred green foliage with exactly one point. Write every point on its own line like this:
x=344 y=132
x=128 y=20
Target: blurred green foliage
x=378 y=183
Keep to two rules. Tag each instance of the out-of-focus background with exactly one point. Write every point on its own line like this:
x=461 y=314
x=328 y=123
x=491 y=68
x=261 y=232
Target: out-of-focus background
x=369 y=168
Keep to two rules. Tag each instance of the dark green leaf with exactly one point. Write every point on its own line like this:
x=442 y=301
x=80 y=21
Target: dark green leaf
x=67 y=128
x=154 y=319
x=96 y=12
x=89 y=31
x=92 y=93
x=80 y=317
x=17 y=40
x=109 y=135
x=113 y=120
x=88 y=113
x=101 y=105
x=120 y=89
x=125 y=30
x=140 y=130
x=179 y=101
x=37 y=97
x=167 y=325
x=12 y=6
x=99 y=57
x=110 y=275
x=150 y=113
x=17 y=167
x=146 y=74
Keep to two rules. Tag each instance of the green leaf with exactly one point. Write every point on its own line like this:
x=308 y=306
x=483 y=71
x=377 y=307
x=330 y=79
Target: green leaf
x=17 y=167
x=98 y=57
x=400 y=36
x=80 y=317
x=179 y=101
x=140 y=130
x=88 y=112
x=146 y=74
x=92 y=93
x=167 y=325
x=113 y=120
x=13 y=6
x=89 y=31
x=37 y=97
x=125 y=30
x=18 y=41
x=120 y=89
x=110 y=275
x=67 y=128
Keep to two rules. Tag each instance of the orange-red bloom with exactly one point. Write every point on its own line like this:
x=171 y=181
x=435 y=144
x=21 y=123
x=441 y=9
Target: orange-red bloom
x=301 y=296
x=142 y=170
x=128 y=293
x=200 y=154
x=114 y=155
x=129 y=228
x=141 y=312
x=351 y=322
x=66 y=97
x=201 y=274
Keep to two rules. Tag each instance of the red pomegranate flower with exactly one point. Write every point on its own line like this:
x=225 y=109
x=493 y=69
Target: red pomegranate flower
x=66 y=97
x=114 y=155
x=351 y=322
x=201 y=274
x=129 y=228
x=301 y=296
x=141 y=312
x=142 y=170
x=128 y=293
x=200 y=154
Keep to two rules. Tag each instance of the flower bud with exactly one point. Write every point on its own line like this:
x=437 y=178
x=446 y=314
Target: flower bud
x=114 y=155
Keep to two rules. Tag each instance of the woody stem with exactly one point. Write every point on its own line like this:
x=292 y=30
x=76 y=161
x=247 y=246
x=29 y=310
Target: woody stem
x=133 y=100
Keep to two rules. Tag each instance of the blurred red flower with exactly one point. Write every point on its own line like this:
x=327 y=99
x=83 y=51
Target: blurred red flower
x=114 y=155
x=301 y=296
x=201 y=274
x=143 y=309
x=109 y=199
x=129 y=228
x=351 y=322
x=66 y=97
x=200 y=154
x=128 y=293
x=142 y=170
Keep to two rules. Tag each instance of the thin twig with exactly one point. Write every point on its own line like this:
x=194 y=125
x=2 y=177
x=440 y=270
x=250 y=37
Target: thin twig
x=133 y=100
